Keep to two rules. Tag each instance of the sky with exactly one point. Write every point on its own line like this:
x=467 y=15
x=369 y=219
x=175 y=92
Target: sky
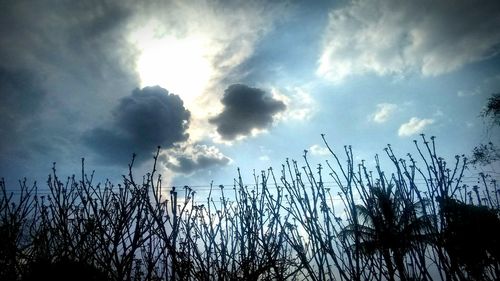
x=222 y=85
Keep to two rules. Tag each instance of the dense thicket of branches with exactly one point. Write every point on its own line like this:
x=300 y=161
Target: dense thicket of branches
x=408 y=221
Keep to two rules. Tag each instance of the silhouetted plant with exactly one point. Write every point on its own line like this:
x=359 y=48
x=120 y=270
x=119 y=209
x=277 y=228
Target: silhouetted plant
x=63 y=270
x=17 y=221
x=487 y=154
x=492 y=109
x=406 y=221
x=472 y=238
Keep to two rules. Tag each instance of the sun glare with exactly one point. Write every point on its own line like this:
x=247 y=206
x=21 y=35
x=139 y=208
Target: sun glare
x=179 y=65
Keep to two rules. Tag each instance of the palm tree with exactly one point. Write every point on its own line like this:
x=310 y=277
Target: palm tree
x=390 y=224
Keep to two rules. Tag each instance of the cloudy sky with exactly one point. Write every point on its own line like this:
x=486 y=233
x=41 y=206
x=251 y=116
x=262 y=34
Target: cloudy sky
x=227 y=84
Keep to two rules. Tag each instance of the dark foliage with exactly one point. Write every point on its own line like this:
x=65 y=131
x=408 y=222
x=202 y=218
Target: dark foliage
x=471 y=236
x=485 y=154
x=63 y=270
x=492 y=109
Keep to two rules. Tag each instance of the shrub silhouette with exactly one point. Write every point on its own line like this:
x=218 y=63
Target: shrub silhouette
x=63 y=270
x=471 y=236
x=341 y=221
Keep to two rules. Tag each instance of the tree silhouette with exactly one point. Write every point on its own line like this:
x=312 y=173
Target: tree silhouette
x=390 y=225
x=492 y=109
x=63 y=270
x=486 y=154
x=471 y=237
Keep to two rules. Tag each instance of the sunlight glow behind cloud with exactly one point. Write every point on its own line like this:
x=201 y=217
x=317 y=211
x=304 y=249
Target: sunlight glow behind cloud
x=180 y=65
x=194 y=59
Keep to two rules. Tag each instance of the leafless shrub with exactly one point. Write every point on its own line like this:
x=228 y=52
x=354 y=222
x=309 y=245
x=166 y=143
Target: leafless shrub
x=341 y=221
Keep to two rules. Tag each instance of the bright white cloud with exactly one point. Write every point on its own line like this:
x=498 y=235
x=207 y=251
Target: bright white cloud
x=317 y=149
x=383 y=112
x=301 y=106
x=414 y=126
x=395 y=37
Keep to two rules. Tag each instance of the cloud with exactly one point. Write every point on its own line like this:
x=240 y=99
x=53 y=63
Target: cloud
x=146 y=119
x=245 y=109
x=23 y=137
x=300 y=105
x=487 y=86
x=88 y=46
x=192 y=158
x=264 y=158
x=414 y=126
x=383 y=112
x=192 y=49
x=77 y=61
x=395 y=37
x=62 y=64
x=22 y=93
x=319 y=150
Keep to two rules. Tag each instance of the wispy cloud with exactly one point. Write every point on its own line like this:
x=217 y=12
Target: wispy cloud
x=384 y=112
x=264 y=158
x=300 y=105
x=414 y=126
x=317 y=149
x=395 y=37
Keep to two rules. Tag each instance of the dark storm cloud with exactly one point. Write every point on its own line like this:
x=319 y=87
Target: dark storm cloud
x=245 y=108
x=195 y=158
x=21 y=93
x=81 y=37
x=62 y=64
x=146 y=119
